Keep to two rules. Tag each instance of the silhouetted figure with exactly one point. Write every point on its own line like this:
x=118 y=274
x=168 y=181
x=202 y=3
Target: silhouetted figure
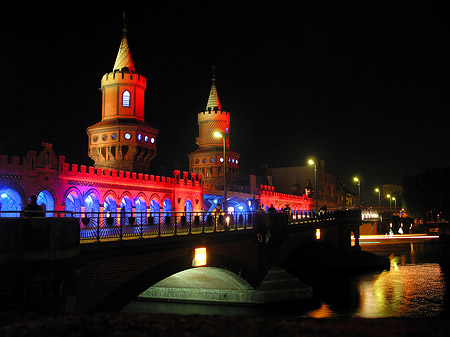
x=271 y=209
x=33 y=209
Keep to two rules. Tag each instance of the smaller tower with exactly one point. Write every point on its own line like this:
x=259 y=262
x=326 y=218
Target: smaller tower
x=122 y=140
x=208 y=159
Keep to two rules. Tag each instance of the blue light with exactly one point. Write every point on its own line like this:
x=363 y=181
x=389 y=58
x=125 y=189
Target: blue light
x=4 y=195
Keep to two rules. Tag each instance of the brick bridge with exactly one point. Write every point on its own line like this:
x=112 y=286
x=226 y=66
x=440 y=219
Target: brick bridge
x=47 y=268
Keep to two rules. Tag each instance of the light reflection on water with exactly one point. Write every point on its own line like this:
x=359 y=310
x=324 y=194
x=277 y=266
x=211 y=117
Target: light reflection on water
x=405 y=290
x=415 y=286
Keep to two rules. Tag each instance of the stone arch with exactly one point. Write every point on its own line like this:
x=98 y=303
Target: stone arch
x=46 y=199
x=110 y=194
x=142 y=196
x=91 y=192
x=12 y=198
x=51 y=191
x=137 y=284
x=71 y=190
x=128 y=195
x=72 y=201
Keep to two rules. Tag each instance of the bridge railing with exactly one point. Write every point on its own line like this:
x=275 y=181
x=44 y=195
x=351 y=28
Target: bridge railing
x=122 y=225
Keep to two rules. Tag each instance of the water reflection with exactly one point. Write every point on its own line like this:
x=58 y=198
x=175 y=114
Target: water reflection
x=405 y=290
x=414 y=286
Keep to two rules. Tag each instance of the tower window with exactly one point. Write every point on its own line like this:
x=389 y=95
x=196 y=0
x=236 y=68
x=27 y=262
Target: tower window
x=126 y=98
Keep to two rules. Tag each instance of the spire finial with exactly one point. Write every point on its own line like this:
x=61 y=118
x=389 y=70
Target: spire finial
x=124 y=21
x=213 y=69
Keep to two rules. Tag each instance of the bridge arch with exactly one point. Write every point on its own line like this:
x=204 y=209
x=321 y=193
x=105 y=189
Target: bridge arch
x=136 y=285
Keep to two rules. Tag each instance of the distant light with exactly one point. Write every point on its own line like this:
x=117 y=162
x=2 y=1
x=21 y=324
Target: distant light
x=217 y=134
x=221 y=159
x=152 y=140
x=355 y=179
x=200 y=258
x=311 y=162
x=317 y=233
x=4 y=195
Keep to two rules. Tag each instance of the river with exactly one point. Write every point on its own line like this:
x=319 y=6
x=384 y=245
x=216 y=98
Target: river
x=417 y=285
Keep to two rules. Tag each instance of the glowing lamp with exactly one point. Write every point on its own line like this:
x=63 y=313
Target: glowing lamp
x=311 y=162
x=199 y=257
x=218 y=134
x=4 y=195
x=317 y=233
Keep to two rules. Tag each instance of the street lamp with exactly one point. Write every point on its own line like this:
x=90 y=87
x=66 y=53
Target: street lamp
x=390 y=201
x=358 y=182
x=224 y=136
x=311 y=162
x=379 y=196
x=395 y=204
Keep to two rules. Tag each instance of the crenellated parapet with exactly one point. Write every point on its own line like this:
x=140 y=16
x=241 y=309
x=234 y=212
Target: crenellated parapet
x=124 y=77
x=89 y=173
x=269 y=197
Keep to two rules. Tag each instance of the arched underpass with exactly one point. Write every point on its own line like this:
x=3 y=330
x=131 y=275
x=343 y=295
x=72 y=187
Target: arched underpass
x=216 y=285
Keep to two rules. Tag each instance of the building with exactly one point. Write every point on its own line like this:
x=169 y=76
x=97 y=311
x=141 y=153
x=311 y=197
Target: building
x=122 y=146
x=296 y=179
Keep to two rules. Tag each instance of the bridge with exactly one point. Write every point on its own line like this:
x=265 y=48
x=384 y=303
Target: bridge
x=78 y=262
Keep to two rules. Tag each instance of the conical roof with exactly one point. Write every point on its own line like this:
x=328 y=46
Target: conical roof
x=213 y=100
x=123 y=58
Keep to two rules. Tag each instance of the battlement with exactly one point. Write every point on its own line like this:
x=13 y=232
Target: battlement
x=214 y=112
x=84 y=172
x=123 y=76
x=265 y=190
x=13 y=161
x=214 y=115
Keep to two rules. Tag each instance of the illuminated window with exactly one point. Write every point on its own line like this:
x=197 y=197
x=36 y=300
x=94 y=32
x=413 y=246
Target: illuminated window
x=139 y=136
x=221 y=159
x=146 y=139
x=152 y=140
x=127 y=135
x=126 y=98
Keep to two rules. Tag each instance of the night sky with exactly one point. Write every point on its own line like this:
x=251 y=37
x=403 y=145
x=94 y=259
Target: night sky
x=363 y=87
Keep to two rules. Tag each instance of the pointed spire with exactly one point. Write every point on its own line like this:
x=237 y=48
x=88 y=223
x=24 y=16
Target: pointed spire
x=123 y=58
x=213 y=100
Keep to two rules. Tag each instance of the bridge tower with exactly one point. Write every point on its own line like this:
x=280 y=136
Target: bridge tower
x=122 y=140
x=208 y=159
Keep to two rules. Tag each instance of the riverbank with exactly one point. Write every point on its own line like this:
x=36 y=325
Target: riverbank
x=142 y=325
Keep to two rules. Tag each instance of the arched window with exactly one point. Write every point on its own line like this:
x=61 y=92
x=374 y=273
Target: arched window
x=45 y=199
x=126 y=98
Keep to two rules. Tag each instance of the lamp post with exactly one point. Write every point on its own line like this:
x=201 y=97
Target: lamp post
x=379 y=196
x=395 y=204
x=224 y=136
x=358 y=182
x=313 y=163
x=390 y=201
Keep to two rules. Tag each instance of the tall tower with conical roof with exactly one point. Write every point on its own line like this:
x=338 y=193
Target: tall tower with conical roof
x=122 y=140
x=208 y=158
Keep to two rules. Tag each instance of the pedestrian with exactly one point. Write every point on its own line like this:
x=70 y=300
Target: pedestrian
x=32 y=209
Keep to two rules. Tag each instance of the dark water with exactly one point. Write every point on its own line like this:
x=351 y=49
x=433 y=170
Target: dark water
x=417 y=285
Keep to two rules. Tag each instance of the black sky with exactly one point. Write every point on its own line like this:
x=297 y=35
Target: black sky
x=362 y=86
